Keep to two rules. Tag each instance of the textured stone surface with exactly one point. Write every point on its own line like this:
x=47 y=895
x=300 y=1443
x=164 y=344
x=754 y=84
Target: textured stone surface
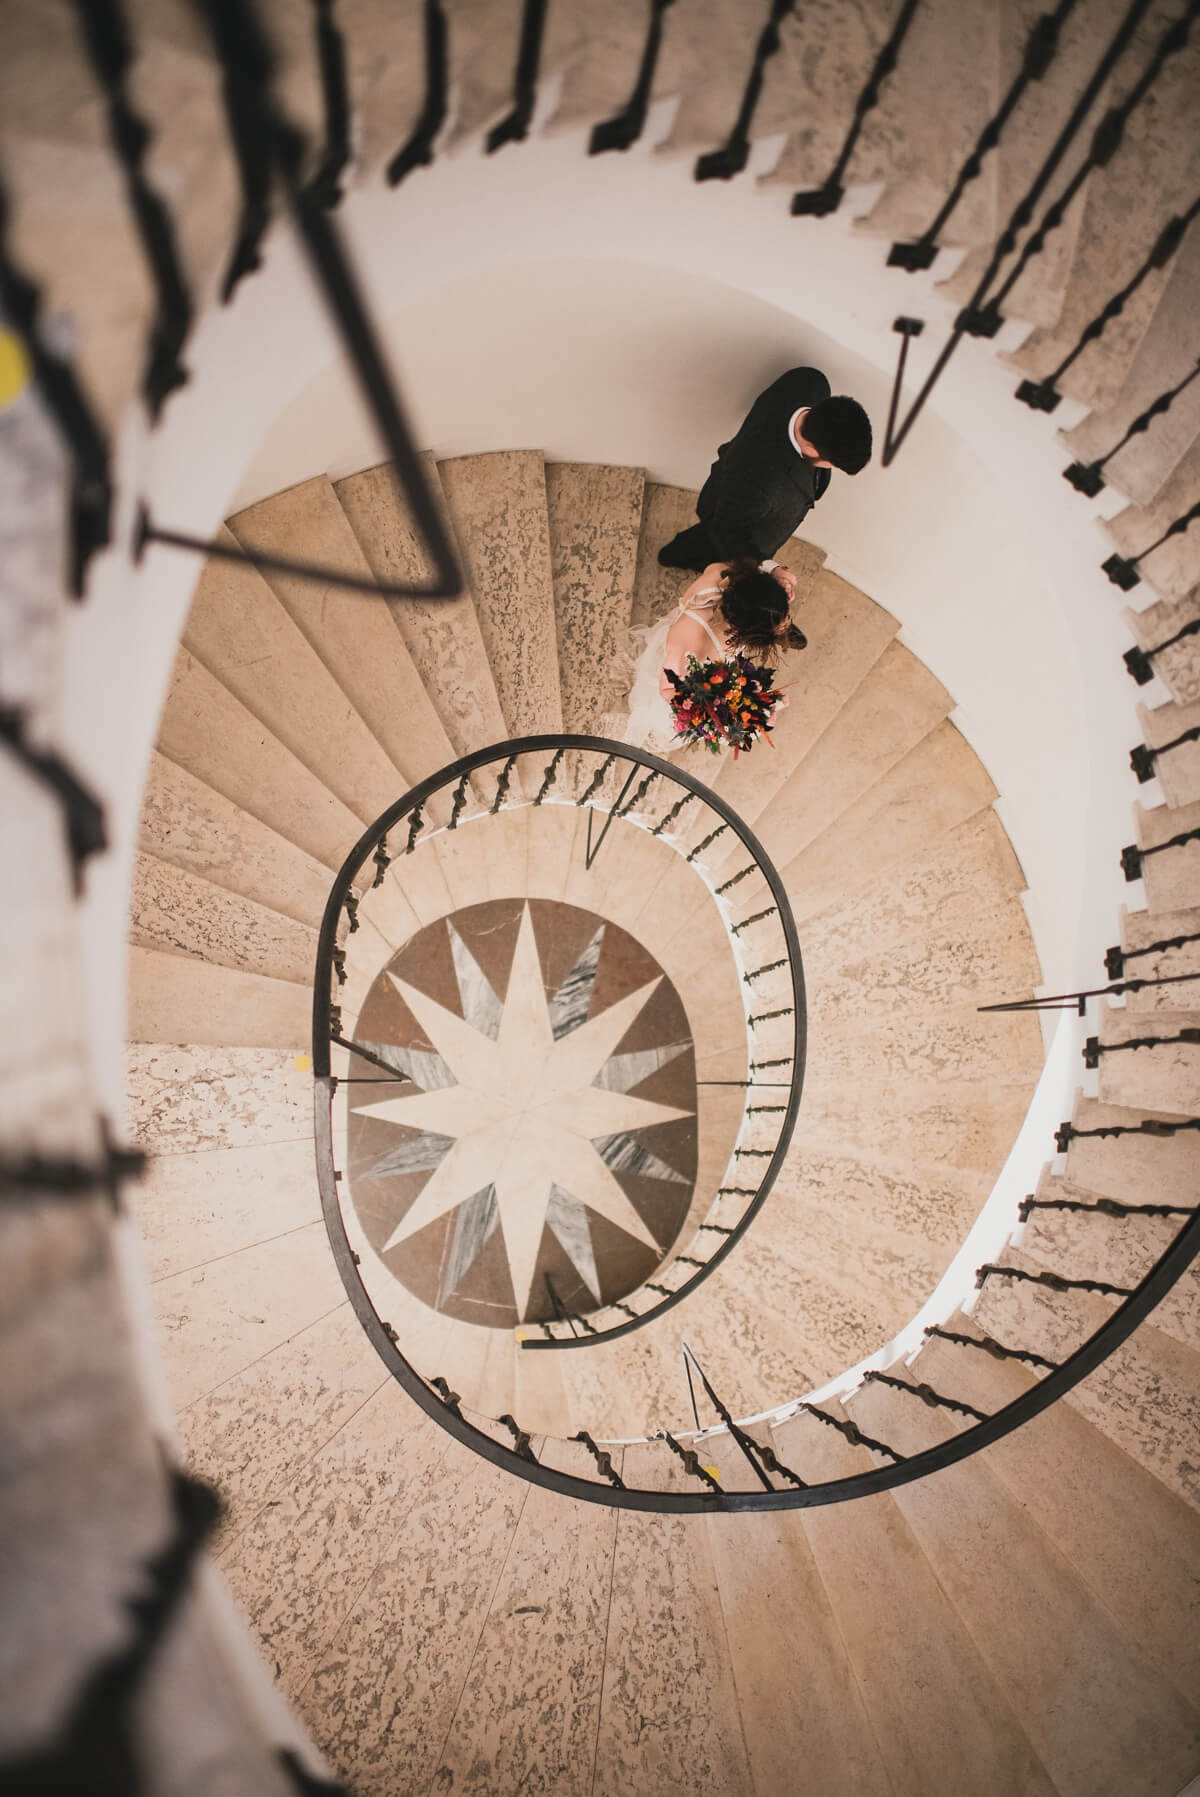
x=1140 y=930
x=210 y=734
x=194 y=1208
x=498 y=506
x=196 y=829
x=385 y=71
x=356 y=637
x=1177 y=771
x=175 y=999
x=1172 y=876
x=1097 y=1715
x=656 y=590
x=1127 y=1166
x=1179 y=666
x=182 y=1099
x=1174 y=568
x=1163 y=1076
x=178 y=912
x=442 y=635
x=595 y=516
x=826 y=50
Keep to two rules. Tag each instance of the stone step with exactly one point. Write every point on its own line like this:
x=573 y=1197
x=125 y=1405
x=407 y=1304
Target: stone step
x=1166 y=353
x=706 y=58
x=497 y=504
x=1172 y=570
x=1038 y=295
x=385 y=74
x=200 y=832
x=442 y=635
x=1098 y=1715
x=1172 y=876
x=1178 y=771
x=595 y=514
x=357 y=638
x=1116 y=233
x=1121 y=1531
x=599 y=53
x=1140 y=930
x=847 y=635
x=656 y=590
x=185 y=1099
x=1132 y=1168
x=173 y=998
x=184 y=914
x=1143 y=1396
x=917 y=148
x=1179 y=666
x=940 y=783
x=932 y=1698
x=963 y=1126
x=779 y=1621
x=908 y=1201
x=1163 y=1077
x=1117 y=1250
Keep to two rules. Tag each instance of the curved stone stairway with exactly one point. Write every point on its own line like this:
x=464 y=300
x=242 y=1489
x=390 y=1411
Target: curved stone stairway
x=1020 y=1623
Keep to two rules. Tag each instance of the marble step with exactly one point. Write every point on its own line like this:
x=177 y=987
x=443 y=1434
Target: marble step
x=902 y=1201
x=1099 y=1716
x=1121 y=1531
x=945 y=1723
x=442 y=635
x=1167 y=351
x=595 y=514
x=1165 y=1077
x=968 y=1126
x=1117 y=1250
x=669 y=1720
x=940 y=783
x=184 y=914
x=917 y=148
x=174 y=998
x=1116 y=232
x=197 y=830
x=184 y=1099
x=847 y=634
x=357 y=638
x=497 y=504
x=1143 y=1396
x=1132 y=1168
x=210 y=734
x=1172 y=876
x=783 y=1631
x=656 y=590
x=890 y=712
x=824 y=57
x=1140 y=930
x=238 y=630
x=1173 y=570
x=1179 y=666
x=1178 y=771
x=1038 y=296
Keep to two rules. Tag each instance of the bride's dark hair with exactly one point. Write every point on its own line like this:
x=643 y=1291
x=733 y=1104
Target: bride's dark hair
x=754 y=606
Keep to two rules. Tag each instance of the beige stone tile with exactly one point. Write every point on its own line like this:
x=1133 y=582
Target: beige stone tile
x=210 y=734
x=1171 y=878
x=928 y=1203
x=216 y=1319
x=549 y=1611
x=594 y=514
x=356 y=637
x=196 y=829
x=462 y=857
x=384 y=1693
x=183 y=914
x=944 y=1043
x=937 y=785
x=963 y=1127
x=1163 y=1077
x=195 y=1207
x=1097 y=1715
x=1127 y=1167
x=665 y=512
x=555 y=842
x=669 y=1718
x=928 y=1691
x=174 y=998
x=442 y=635
x=182 y=1099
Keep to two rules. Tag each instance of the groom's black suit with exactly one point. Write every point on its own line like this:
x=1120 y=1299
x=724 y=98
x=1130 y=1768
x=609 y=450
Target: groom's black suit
x=760 y=487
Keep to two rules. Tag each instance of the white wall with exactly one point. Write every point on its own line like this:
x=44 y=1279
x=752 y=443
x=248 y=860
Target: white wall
x=610 y=309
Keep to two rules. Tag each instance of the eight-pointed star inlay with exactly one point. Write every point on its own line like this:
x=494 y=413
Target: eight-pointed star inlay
x=524 y=1115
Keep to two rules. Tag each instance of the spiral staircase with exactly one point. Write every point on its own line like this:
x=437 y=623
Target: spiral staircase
x=440 y=1619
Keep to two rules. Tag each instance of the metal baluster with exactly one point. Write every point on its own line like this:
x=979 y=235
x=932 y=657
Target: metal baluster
x=1142 y=758
x=1066 y=1133
x=731 y=158
x=691 y=1460
x=1053 y=1282
x=550 y=776
x=416 y=823
x=382 y=862
x=934 y=1399
x=1093 y=1048
x=737 y=928
x=989 y=1345
x=1132 y=856
x=502 y=784
x=520 y=1438
x=1088 y=477
x=325 y=187
x=687 y=799
x=514 y=127
x=458 y=802
x=1122 y=570
x=851 y=1431
x=710 y=838
x=1105 y=1207
x=1115 y=958
x=602 y=1458
x=417 y=151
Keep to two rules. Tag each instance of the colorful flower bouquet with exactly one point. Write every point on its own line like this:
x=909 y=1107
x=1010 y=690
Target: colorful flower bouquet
x=719 y=703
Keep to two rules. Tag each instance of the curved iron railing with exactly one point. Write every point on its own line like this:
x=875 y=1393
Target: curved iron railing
x=591 y=779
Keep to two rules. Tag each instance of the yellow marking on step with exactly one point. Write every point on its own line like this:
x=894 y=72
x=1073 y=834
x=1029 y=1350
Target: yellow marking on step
x=303 y=1063
x=14 y=367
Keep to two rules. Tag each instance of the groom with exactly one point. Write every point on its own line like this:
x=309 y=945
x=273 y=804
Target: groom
x=766 y=478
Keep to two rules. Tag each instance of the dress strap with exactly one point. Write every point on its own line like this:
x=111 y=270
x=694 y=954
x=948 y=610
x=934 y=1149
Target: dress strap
x=708 y=596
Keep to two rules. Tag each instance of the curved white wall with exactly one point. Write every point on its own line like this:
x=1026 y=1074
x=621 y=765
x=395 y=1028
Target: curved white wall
x=611 y=309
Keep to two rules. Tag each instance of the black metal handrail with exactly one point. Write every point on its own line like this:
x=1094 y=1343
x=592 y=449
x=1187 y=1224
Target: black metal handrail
x=456 y=776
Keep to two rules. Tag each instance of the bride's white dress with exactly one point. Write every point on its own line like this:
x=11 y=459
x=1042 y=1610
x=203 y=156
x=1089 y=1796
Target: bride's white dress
x=650 y=724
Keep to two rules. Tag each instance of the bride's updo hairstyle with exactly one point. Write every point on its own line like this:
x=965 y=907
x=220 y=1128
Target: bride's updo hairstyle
x=754 y=606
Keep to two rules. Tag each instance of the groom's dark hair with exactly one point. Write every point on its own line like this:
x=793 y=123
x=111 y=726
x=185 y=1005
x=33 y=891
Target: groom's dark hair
x=840 y=431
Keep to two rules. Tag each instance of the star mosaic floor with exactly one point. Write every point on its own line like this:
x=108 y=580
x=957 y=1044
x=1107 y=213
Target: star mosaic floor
x=541 y=1146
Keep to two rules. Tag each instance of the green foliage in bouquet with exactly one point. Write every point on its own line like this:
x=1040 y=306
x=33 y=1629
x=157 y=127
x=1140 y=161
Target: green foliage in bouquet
x=723 y=703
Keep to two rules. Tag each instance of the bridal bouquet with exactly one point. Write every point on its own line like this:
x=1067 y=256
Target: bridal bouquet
x=719 y=703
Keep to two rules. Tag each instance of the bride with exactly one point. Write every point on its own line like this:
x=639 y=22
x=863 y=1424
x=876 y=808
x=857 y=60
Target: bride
x=733 y=607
